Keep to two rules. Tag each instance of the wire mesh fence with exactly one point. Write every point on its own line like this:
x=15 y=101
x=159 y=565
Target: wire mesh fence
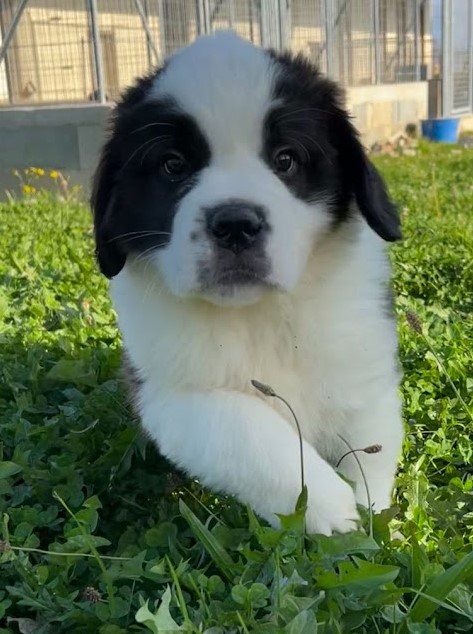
x=308 y=30
x=461 y=57
x=242 y=17
x=89 y=50
x=354 y=42
x=49 y=57
x=399 y=33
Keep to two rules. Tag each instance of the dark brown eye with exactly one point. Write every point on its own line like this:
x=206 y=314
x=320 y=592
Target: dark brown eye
x=175 y=165
x=284 y=161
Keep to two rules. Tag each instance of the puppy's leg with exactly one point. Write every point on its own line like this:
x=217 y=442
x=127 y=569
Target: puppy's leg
x=238 y=444
x=380 y=424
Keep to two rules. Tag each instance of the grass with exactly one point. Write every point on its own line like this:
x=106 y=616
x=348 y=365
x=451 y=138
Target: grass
x=101 y=536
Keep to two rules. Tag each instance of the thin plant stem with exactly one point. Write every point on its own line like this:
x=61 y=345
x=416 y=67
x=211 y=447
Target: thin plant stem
x=180 y=596
x=370 y=510
x=369 y=450
x=24 y=549
x=94 y=551
x=204 y=506
x=268 y=391
x=301 y=442
x=449 y=379
x=242 y=622
x=416 y=325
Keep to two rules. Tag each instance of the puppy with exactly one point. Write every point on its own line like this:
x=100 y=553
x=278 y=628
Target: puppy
x=242 y=227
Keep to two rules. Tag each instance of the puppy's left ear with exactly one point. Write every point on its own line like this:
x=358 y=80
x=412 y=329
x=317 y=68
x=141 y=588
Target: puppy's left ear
x=366 y=184
x=109 y=256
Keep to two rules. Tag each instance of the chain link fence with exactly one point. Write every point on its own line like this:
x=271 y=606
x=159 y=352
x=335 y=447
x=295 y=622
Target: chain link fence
x=89 y=50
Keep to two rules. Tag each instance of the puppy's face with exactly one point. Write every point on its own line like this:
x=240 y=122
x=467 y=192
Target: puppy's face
x=226 y=168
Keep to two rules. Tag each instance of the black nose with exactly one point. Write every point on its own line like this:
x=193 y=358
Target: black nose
x=235 y=226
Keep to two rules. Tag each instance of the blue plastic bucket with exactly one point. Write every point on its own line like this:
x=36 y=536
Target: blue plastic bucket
x=440 y=130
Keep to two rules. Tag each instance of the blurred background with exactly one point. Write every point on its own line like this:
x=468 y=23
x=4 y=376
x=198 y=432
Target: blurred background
x=64 y=62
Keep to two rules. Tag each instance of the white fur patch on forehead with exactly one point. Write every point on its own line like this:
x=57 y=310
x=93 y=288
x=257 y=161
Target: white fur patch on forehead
x=225 y=83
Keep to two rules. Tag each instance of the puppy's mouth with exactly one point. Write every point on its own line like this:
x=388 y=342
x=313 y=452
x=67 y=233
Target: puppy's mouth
x=238 y=276
x=227 y=279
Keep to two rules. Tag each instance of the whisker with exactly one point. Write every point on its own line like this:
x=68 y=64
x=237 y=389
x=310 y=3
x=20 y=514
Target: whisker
x=296 y=142
x=150 y=149
x=323 y=200
x=311 y=141
x=322 y=151
x=307 y=120
x=153 y=140
x=284 y=115
x=303 y=148
x=153 y=280
x=138 y=234
x=155 y=124
x=146 y=254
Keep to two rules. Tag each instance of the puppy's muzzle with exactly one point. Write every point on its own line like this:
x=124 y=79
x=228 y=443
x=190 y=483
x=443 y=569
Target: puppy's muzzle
x=236 y=226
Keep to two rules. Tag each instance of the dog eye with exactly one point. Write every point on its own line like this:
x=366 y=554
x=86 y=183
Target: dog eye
x=175 y=165
x=284 y=161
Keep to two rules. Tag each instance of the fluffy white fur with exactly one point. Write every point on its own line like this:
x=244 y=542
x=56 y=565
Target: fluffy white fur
x=200 y=407
x=323 y=340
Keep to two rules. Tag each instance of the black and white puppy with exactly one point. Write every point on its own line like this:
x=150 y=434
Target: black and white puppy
x=243 y=227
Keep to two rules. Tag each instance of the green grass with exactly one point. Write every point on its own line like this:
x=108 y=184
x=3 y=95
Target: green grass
x=99 y=533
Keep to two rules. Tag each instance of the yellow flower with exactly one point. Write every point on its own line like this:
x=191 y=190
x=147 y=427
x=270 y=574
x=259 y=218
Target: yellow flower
x=28 y=189
x=16 y=173
x=53 y=174
x=37 y=170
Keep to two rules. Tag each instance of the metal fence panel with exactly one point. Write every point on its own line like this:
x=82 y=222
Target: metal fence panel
x=129 y=41
x=353 y=42
x=308 y=33
x=243 y=17
x=180 y=21
x=398 y=23
x=360 y=42
x=460 y=55
x=54 y=56
x=49 y=58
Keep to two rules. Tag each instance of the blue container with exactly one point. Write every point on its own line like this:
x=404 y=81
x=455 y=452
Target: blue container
x=441 y=130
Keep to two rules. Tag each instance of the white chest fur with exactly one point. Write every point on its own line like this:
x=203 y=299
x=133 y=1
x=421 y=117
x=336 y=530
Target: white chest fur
x=327 y=348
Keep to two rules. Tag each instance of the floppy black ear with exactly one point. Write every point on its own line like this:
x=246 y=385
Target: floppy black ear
x=374 y=202
x=367 y=185
x=109 y=256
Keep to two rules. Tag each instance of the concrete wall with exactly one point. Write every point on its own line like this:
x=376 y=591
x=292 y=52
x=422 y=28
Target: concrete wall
x=68 y=138
x=65 y=138
x=380 y=111
x=466 y=123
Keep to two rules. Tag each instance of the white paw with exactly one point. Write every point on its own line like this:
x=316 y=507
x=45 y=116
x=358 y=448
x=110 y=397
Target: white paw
x=331 y=507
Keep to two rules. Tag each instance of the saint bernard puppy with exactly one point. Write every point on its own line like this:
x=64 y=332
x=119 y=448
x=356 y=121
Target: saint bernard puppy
x=243 y=229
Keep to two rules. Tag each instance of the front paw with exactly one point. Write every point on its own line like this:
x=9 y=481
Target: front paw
x=331 y=507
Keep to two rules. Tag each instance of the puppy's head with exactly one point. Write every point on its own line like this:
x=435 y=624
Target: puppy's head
x=224 y=170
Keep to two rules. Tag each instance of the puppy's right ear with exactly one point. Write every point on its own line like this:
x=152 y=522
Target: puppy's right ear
x=365 y=182
x=109 y=256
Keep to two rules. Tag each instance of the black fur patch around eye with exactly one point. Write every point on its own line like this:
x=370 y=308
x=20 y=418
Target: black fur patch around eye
x=134 y=201
x=292 y=127
x=303 y=120
x=310 y=117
